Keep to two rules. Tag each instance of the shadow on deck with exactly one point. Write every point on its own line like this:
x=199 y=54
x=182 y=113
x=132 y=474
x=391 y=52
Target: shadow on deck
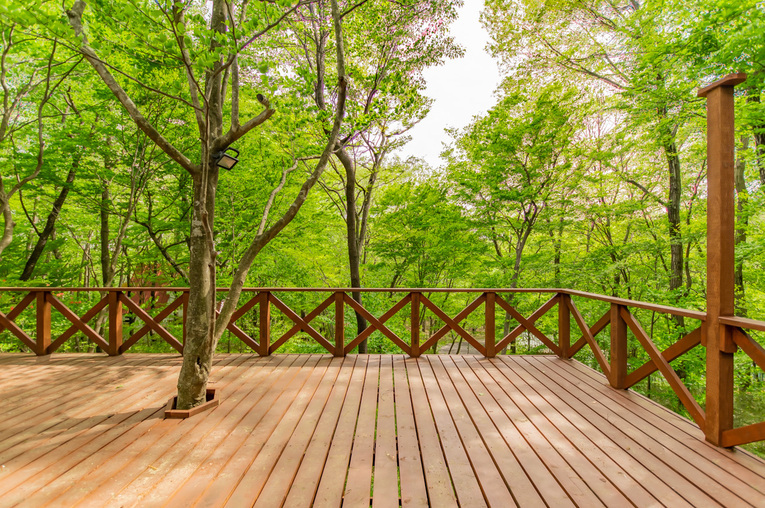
x=302 y=430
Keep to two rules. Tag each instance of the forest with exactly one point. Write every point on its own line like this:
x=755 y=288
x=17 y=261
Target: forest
x=588 y=173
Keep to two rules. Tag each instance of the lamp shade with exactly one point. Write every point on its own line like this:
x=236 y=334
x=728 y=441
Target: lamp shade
x=226 y=160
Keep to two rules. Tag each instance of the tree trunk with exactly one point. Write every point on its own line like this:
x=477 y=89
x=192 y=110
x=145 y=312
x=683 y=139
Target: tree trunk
x=50 y=224
x=673 y=216
x=354 y=257
x=742 y=221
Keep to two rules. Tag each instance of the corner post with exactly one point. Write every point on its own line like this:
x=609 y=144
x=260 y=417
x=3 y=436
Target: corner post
x=115 y=323
x=415 y=318
x=721 y=223
x=264 y=344
x=490 y=325
x=618 y=348
x=43 y=323
x=339 y=324
x=564 y=325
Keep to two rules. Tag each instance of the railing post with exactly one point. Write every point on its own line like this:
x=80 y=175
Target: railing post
x=490 y=326
x=264 y=344
x=618 y=347
x=721 y=223
x=415 y=318
x=339 y=324
x=564 y=325
x=115 y=323
x=43 y=323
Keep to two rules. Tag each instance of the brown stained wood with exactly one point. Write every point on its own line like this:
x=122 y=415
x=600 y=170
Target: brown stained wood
x=414 y=493
x=287 y=424
x=115 y=325
x=290 y=461
x=18 y=332
x=377 y=325
x=490 y=325
x=244 y=309
x=588 y=439
x=679 y=348
x=743 y=435
x=441 y=332
x=749 y=346
x=505 y=485
x=328 y=490
x=149 y=320
x=359 y=480
x=370 y=329
x=385 y=490
x=438 y=476
x=453 y=324
x=264 y=328
x=569 y=479
x=20 y=307
x=90 y=314
x=527 y=324
x=250 y=394
x=661 y=309
x=211 y=401
x=345 y=392
x=466 y=483
x=414 y=326
x=43 y=337
x=590 y=338
x=303 y=322
x=675 y=440
x=751 y=324
x=515 y=332
x=729 y=80
x=618 y=352
x=158 y=318
x=76 y=321
x=564 y=326
x=299 y=419
x=595 y=329
x=666 y=370
x=544 y=483
x=339 y=325
x=300 y=322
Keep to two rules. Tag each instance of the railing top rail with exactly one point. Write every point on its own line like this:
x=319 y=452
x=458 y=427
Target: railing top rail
x=693 y=314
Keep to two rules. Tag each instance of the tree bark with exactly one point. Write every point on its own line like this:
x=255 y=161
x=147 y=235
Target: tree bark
x=50 y=224
x=673 y=216
x=742 y=221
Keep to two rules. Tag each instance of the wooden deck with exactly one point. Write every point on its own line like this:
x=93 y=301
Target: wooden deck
x=305 y=430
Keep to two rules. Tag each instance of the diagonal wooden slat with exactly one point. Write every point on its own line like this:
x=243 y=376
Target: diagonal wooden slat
x=528 y=325
x=378 y=325
x=17 y=331
x=158 y=318
x=755 y=351
x=299 y=326
x=300 y=321
x=18 y=309
x=156 y=327
x=595 y=329
x=454 y=325
x=458 y=318
x=241 y=311
x=590 y=338
x=679 y=348
x=77 y=322
x=515 y=332
x=370 y=329
x=74 y=329
x=669 y=373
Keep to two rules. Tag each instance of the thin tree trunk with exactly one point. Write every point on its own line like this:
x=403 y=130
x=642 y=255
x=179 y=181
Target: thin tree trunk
x=50 y=224
x=742 y=221
x=673 y=216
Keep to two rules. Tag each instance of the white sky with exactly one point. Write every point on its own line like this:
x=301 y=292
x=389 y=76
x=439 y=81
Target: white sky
x=462 y=88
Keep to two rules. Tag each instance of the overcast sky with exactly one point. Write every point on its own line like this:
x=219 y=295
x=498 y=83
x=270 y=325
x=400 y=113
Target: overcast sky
x=462 y=88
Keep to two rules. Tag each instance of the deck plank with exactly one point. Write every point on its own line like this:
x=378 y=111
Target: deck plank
x=385 y=430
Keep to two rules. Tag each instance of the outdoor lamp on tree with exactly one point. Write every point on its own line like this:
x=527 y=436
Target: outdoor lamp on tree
x=226 y=161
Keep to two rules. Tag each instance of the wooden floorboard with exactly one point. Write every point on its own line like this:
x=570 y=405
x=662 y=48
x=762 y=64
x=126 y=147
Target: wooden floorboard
x=367 y=430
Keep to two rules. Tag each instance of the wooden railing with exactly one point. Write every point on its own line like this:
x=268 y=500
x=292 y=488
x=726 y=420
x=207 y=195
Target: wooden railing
x=118 y=302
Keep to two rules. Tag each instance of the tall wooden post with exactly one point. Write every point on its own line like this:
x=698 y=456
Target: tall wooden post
x=721 y=223
x=490 y=326
x=43 y=323
x=415 y=319
x=115 y=323
x=618 y=348
x=339 y=324
x=564 y=326
x=264 y=344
